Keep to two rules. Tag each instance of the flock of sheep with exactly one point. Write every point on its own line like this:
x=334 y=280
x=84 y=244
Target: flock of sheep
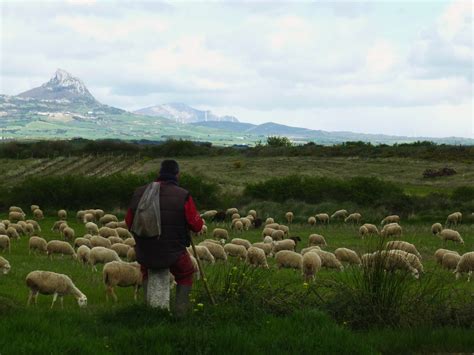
x=109 y=242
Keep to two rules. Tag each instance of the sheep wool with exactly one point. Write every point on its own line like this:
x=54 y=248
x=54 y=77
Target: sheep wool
x=340 y=214
x=322 y=217
x=243 y=242
x=4 y=266
x=440 y=253
x=450 y=261
x=391 y=230
x=257 y=257
x=269 y=220
x=5 y=243
x=289 y=259
x=286 y=244
x=390 y=219
x=12 y=233
x=289 y=217
x=371 y=228
x=436 y=228
x=311 y=221
x=266 y=247
x=121 y=274
x=311 y=265
x=121 y=249
x=267 y=231
x=203 y=253
x=449 y=234
x=101 y=255
x=316 y=239
x=83 y=253
x=59 y=247
x=238 y=251
x=353 y=218
x=328 y=260
x=307 y=250
x=405 y=246
x=465 y=265
x=220 y=233
x=37 y=243
x=98 y=241
x=277 y=234
x=92 y=228
x=217 y=250
x=347 y=255
x=131 y=255
x=268 y=239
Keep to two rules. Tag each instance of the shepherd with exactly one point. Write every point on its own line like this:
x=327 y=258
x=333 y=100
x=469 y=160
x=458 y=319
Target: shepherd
x=160 y=216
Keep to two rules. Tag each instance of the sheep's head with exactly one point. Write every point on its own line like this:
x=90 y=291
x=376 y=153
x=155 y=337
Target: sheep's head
x=415 y=274
x=6 y=269
x=82 y=301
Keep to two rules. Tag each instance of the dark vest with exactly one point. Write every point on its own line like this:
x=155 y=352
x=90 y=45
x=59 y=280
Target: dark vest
x=165 y=251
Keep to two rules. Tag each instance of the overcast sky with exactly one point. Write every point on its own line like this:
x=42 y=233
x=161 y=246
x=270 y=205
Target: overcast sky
x=393 y=67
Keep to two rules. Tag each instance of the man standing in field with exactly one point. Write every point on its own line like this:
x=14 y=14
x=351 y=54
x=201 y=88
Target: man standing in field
x=178 y=215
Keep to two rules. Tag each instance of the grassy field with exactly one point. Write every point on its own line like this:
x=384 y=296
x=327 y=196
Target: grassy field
x=233 y=172
x=235 y=325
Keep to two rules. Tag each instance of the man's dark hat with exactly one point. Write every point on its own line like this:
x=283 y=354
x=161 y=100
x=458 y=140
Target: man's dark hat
x=169 y=167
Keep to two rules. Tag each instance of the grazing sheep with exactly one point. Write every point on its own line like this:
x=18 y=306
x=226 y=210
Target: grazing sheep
x=289 y=217
x=131 y=255
x=353 y=218
x=59 y=247
x=203 y=253
x=412 y=259
x=121 y=249
x=98 y=241
x=311 y=221
x=363 y=231
x=286 y=244
x=372 y=228
x=257 y=257
x=112 y=225
x=34 y=207
x=307 y=250
x=123 y=233
x=269 y=220
x=6 y=223
x=235 y=250
x=98 y=213
x=16 y=216
x=115 y=240
x=252 y=213
x=391 y=260
x=440 y=253
x=35 y=224
x=238 y=226
x=88 y=217
x=436 y=228
x=108 y=232
x=322 y=217
x=92 y=228
x=231 y=211
x=215 y=249
x=289 y=259
x=87 y=236
x=266 y=247
x=101 y=255
x=268 y=239
x=347 y=255
x=328 y=260
x=450 y=261
x=4 y=266
x=56 y=225
x=209 y=214
x=454 y=219
x=130 y=241
x=235 y=216
x=83 y=253
x=391 y=230
x=220 y=233
x=449 y=234
x=80 y=215
x=405 y=246
x=68 y=234
x=12 y=233
x=246 y=222
x=465 y=264
x=37 y=243
x=340 y=214
x=251 y=218
x=203 y=230
x=15 y=209
x=267 y=231
x=122 y=224
x=311 y=265
x=106 y=218
x=121 y=274
x=3 y=229
x=220 y=242
x=51 y=283
x=272 y=225
x=240 y=241
x=277 y=234
x=284 y=228
x=5 y=243
x=316 y=239
x=390 y=219
x=62 y=214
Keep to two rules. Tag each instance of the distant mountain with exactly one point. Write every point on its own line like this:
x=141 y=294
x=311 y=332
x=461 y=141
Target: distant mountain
x=182 y=113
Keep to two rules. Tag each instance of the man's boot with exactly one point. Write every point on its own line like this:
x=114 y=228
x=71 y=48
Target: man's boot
x=182 y=300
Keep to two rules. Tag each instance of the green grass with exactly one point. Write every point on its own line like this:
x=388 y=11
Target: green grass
x=237 y=325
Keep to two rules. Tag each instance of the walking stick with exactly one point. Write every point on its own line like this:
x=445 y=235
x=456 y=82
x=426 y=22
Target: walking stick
x=201 y=271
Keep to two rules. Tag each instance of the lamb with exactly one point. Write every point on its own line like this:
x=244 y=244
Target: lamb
x=405 y=246
x=316 y=239
x=220 y=233
x=450 y=261
x=412 y=259
x=101 y=255
x=59 y=247
x=267 y=231
x=215 y=249
x=4 y=266
x=106 y=218
x=240 y=241
x=440 y=253
x=449 y=234
x=238 y=226
x=277 y=234
x=235 y=250
x=391 y=230
x=107 y=232
x=340 y=214
x=371 y=228
x=12 y=233
x=123 y=233
x=454 y=219
x=202 y=254
x=16 y=216
x=354 y=218
x=121 y=274
x=311 y=221
x=466 y=264
x=47 y=283
x=322 y=217
x=289 y=217
x=347 y=255
x=436 y=228
x=98 y=241
x=92 y=228
x=328 y=260
x=390 y=219
x=286 y=244
x=115 y=240
x=35 y=224
x=268 y=239
x=38 y=214
x=5 y=243
x=289 y=259
x=68 y=234
x=121 y=249
x=307 y=250
x=311 y=265
x=131 y=255
x=37 y=243
x=266 y=247
x=269 y=220
x=209 y=214
x=83 y=253
x=257 y=257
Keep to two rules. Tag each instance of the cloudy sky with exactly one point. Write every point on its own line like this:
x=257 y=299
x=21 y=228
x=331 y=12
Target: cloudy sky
x=393 y=67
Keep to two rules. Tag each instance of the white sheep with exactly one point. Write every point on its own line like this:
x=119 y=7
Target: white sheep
x=12 y=233
x=101 y=255
x=123 y=233
x=132 y=255
x=35 y=224
x=68 y=234
x=15 y=209
x=98 y=241
x=4 y=266
x=287 y=244
x=311 y=221
x=34 y=207
x=353 y=218
x=57 y=225
x=257 y=257
x=108 y=232
x=316 y=239
x=390 y=219
x=268 y=239
x=454 y=219
x=390 y=260
x=62 y=214
x=231 y=211
x=98 y=213
x=371 y=228
x=88 y=217
x=115 y=240
x=209 y=214
x=412 y=259
x=289 y=259
x=347 y=255
x=289 y=217
x=465 y=264
x=92 y=228
x=82 y=241
x=328 y=260
x=246 y=222
x=130 y=241
x=322 y=217
x=203 y=254
x=436 y=228
x=391 y=230
x=266 y=247
x=405 y=246
x=340 y=214
x=272 y=225
x=363 y=231
x=240 y=241
x=252 y=213
x=267 y=231
x=203 y=230
x=116 y=273
x=83 y=253
x=37 y=243
x=450 y=261
x=217 y=250
x=16 y=216
x=311 y=265
x=235 y=216
x=80 y=215
x=51 y=283
x=308 y=249
x=5 y=243
x=277 y=234
x=107 y=218
x=449 y=234
x=60 y=247
x=284 y=228
x=220 y=233
x=235 y=250
x=121 y=249
x=439 y=254
x=238 y=226
x=269 y=220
